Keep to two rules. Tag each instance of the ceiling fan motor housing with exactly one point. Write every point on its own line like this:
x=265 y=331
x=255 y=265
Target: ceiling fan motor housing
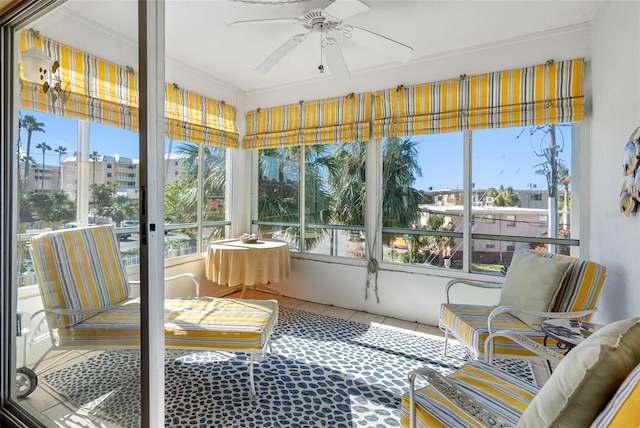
x=315 y=18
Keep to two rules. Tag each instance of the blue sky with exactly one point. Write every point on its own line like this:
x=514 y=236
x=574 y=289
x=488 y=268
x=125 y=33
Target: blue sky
x=500 y=156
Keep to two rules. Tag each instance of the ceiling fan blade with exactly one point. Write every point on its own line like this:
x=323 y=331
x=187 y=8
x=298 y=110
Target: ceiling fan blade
x=266 y=21
x=342 y=9
x=335 y=60
x=378 y=42
x=280 y=53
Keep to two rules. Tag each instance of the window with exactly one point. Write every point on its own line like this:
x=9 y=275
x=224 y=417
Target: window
x=536 y=196
x=333 y=201
x=278 y=209
x=109 y=174
x=543 y=221
x=420 y=226
x=432 y=230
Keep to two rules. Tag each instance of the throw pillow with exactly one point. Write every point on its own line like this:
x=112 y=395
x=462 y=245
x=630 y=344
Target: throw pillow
x=587 y=378
x=532 y=283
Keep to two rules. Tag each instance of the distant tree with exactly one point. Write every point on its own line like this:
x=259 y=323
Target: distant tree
x=440 y=245
x=400 y=169
x=95 y=157
x=61 y=150
x=120 y=208
x=424 y=198
x=54 y=207
x=30 y=123
x=45 y=148
x=107 y=203
x=503 y=197
x=101 y=194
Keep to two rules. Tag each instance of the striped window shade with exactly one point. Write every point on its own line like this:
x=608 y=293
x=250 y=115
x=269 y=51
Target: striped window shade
x=333 y=120
x=99 y=91
x=195 y=118
x=93 y=89
x=542 y=94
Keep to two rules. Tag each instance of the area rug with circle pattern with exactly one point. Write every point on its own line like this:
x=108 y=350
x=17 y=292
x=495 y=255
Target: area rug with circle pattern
x=323 y=372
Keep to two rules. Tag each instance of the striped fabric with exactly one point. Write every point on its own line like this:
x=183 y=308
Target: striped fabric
x=332 y=120
x=97 y=90
x=542 y=94
x=624 y=408
x=195 y=118
x=468 y=323
x=79 y=269
x=103 y=92
x=190 y=322
x=497 y=391
x=581 y=286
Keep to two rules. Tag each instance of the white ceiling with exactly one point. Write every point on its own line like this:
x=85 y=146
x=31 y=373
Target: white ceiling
x=198 y=35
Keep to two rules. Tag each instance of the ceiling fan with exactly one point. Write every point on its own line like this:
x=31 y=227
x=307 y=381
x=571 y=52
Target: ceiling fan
x=327 y=21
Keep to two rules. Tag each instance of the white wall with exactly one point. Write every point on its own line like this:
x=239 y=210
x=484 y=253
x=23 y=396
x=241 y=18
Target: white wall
x=614 y=239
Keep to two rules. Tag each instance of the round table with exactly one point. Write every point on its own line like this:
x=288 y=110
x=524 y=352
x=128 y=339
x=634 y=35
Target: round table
x=569 y=332
x=239 y=265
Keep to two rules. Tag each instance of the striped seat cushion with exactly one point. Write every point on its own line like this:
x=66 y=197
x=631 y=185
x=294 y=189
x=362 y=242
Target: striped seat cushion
x=190 y=322
x=469 y=324
x=79 y=269
x=497 y=391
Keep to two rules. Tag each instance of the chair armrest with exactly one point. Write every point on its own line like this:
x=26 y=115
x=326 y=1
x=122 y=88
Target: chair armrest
x=452 y=282
x=191 y=276
x=452 y=393
x=513 y=310
x=523 y=341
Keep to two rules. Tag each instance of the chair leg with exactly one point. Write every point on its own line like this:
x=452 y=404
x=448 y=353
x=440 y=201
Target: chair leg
x=446 y=341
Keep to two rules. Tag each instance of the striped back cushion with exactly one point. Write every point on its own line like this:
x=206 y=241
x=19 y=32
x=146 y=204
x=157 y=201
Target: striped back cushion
x=79 y=269
x=622 y=410
x=581 y=285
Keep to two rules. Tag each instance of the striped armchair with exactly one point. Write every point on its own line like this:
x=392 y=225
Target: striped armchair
x=574 y=296
x=597 y=384
x=87 y=305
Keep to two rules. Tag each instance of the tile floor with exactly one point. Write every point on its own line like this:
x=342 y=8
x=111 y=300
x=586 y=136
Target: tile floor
x=64 y=414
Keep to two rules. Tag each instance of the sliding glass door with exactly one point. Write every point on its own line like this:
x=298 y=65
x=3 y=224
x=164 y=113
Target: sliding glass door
x=82 y=145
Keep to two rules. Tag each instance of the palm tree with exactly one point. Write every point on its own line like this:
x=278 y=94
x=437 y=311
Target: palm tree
x=61 y=151
x=181 y=197
x=95 y=157
x=31 y=125
x=45 y=148
x=400 y=168
x=503 y=197
x=53 y=207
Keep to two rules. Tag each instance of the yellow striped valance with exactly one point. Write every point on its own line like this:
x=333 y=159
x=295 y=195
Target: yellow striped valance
x=92 y=89
x=333 y=120
x=97 y=90
x=542 y=94
x=195 y=118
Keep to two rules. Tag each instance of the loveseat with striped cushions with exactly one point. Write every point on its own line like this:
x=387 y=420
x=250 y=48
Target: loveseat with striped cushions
x=575 y=297
x=85 y=293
